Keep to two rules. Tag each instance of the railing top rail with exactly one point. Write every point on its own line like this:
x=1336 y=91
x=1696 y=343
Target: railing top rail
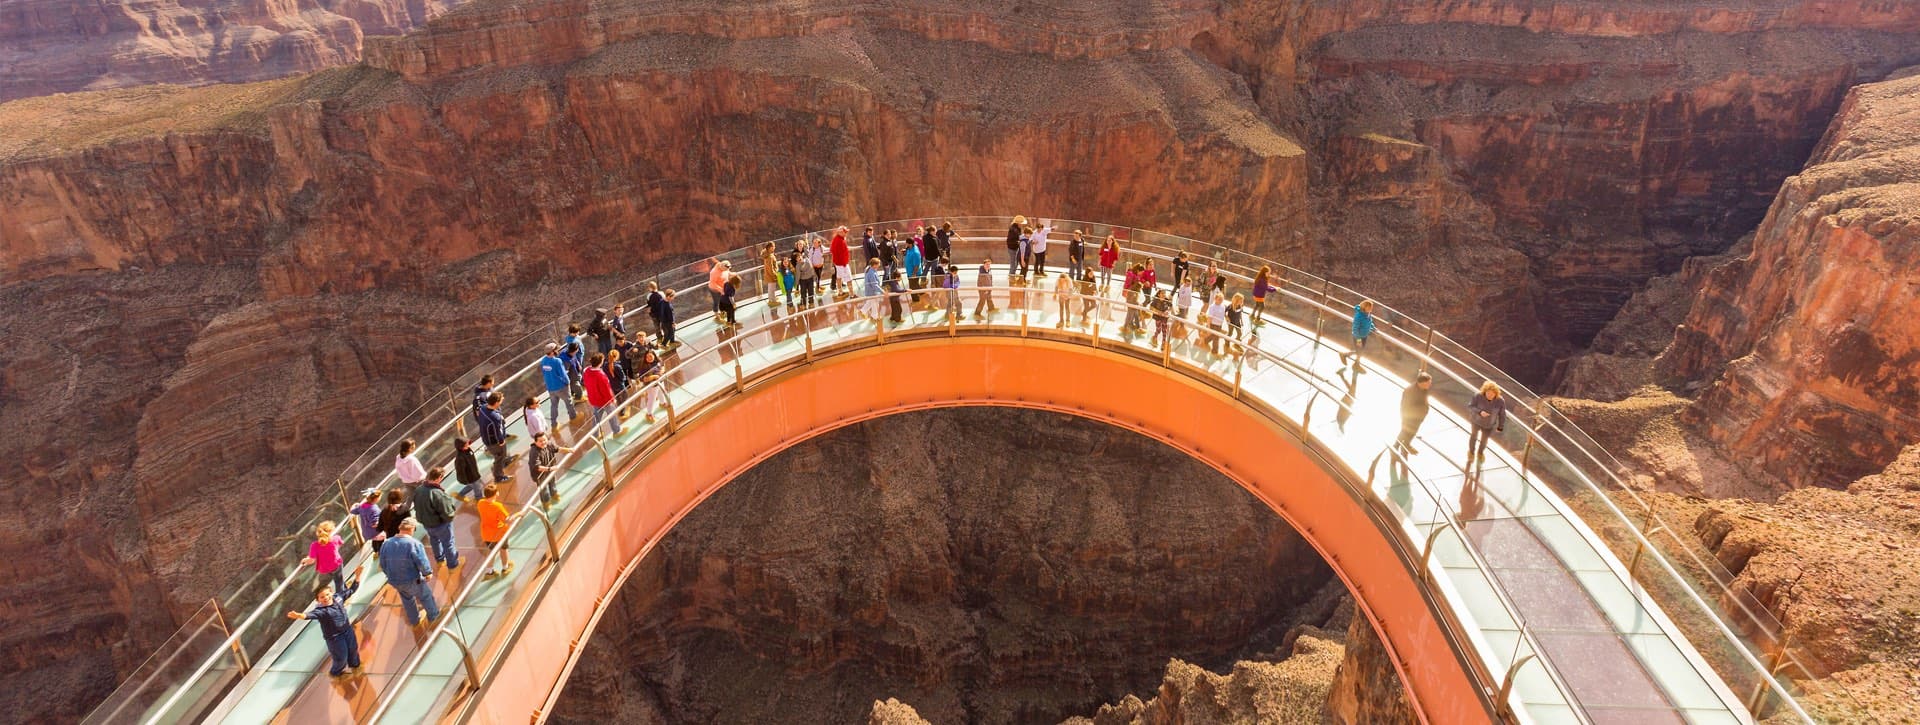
x=1445 y=357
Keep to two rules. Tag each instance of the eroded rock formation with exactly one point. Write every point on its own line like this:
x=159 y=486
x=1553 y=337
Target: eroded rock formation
x=60 y=46
x=980 y=565
x=1807 y=343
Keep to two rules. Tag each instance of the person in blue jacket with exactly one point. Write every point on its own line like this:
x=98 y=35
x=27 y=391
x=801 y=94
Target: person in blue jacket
x=573 y=352
x=553 y=372
x=404 y=560
x=1363 y=326
x=336 y=628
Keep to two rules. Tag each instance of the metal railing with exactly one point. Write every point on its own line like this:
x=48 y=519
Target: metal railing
x=1585 y=471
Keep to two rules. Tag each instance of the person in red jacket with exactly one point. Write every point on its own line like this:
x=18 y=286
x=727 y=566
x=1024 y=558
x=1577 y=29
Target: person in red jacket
x=600 y=393
x=842 y=258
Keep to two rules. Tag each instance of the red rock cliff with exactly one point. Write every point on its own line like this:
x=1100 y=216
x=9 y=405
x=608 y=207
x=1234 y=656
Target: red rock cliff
x=1807 y=344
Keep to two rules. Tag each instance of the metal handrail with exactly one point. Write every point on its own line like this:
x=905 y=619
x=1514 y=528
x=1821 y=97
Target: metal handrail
x=1287 y=283
x=1319 y=382
x=450 y=613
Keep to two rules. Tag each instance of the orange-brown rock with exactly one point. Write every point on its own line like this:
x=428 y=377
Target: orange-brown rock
x=983 y=565
x=1807 y=344
x=1835 y=567
x=60 y=46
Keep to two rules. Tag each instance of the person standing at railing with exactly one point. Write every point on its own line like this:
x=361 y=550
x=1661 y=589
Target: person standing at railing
x=896 y=291
x=1180 y=268
x=406 y=465
x=915 y=266
x=770 y=275
x=397 y=510
x=944 y=238
x=573 y=352
x=493 y=433
x=804 y=273
x=1160 y=306
x=1130 y=292
x=1109 y=256
x=543 y=456
x=367 y=513
x=553 y=375
x=494 y=521
x=984 y=280
x=1363 y=326
x=889 y=253
x=1015 y=231
x=930 y=250
x=434 y=508
x=325 y=557
x=787 y=281
x=480 y=392
x=405 y=563
x=1216 y=322
x=1077 y=254
x=336 y=628
x=1236 y=320
x=600 y=394
x=870 y=247
x=617 y=319
x=951 y=280
x=1063 y=296
x=842 y=264
x=1262 y=284
x=1026 y=254
x=1089 y=299
x=616 y=378
x=660 y=306
x=1039 y=244
x=466 y=468
x=871 y=290
x=1413 y=412
x=600 y=331
x=817 y=257
x=1488 y=412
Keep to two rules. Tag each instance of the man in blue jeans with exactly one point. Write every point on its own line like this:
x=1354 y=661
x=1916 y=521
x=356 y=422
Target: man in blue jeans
x=434 y=507
x=553 y=372
x=405 y=563
x=330 y=612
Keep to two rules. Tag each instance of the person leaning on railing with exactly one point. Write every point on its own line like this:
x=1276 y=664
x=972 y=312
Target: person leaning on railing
x=336 y=628
x=493 y=433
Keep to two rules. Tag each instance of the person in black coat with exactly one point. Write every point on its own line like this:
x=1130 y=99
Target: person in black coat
x=1413 y=411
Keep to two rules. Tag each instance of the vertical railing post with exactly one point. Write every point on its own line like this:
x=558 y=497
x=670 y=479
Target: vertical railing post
x=672 y=423
x=1023 y=320
x=1238 y=363
x=1506 y=687
x=233 y=638
x=546 y=524
x=1427 y=351
x=606 y=465
x=347 y=501
x=1320 y=313
x=466 y=659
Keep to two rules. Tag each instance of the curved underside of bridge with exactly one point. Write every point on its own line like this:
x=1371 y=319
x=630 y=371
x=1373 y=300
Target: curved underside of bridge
x=1316 y=494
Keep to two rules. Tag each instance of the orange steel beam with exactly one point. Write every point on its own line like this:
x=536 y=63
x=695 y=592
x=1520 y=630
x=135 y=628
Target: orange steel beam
x=838 y=390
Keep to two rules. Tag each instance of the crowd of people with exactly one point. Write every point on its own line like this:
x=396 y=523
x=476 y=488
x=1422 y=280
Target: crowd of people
x=588 y=372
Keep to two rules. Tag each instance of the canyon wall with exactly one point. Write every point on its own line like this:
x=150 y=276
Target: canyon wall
x=61 y=46
x=1806 y=343
x=979 y=564
x=1509 y=170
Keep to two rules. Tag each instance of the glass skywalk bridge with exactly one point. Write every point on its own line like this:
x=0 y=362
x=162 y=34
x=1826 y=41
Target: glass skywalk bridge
x=1557 y=603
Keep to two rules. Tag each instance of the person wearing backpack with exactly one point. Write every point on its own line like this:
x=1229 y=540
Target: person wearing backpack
x=433 y=507
x=601 y=332
x=572 y=351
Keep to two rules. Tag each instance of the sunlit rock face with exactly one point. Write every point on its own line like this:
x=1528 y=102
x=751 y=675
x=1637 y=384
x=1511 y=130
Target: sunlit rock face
x=1806 y=344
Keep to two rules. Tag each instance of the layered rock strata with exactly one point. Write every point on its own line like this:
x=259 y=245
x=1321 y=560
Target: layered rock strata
x=1806 y=343
x=61 y=46
x=980 y=565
